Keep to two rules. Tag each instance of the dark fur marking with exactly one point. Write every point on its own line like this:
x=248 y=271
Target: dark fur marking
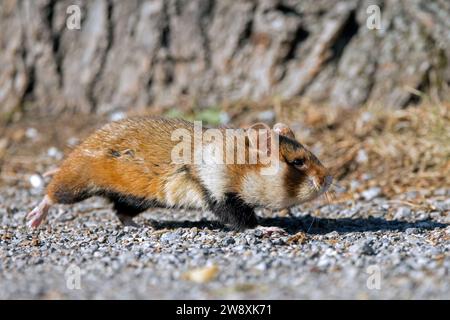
x=129 y=152
x=184 y=169
x=66 y=195
x=128 y=204
x=289 y=143
x=233 y=211
x=114 y=153
x=293 y=179
x=123 y=203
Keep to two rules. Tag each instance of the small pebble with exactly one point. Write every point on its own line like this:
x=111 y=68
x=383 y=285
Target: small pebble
x=371 y=193
x=31 y=133
x=116 y=116
x=361 y=156
x=224 y=118
x=36 y=181
x=266 y=116
x=73 y=141
x=402 y=213
x=53 y=152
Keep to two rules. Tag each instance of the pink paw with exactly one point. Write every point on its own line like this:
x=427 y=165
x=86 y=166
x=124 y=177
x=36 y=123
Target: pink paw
x=268 y=231
x=38 y=214
x=34 y=223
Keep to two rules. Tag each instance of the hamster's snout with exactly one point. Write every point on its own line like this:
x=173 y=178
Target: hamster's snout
x=322 y=185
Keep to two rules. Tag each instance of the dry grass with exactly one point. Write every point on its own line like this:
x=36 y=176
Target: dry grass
x=400 y=149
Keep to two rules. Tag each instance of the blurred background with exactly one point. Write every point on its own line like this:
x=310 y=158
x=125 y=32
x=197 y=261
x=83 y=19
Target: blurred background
x=364 y=83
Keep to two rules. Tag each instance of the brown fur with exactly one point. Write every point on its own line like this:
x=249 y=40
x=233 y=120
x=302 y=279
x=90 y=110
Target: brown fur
x=130 y=162
x=126 y=162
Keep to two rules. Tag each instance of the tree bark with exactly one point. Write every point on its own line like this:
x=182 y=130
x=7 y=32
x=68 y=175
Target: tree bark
x=137 y=53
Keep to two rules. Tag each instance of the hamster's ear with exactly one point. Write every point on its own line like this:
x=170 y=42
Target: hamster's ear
x=260 y=138
x=283 y=130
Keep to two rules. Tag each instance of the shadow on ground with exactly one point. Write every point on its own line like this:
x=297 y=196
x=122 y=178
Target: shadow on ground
x=312 y=225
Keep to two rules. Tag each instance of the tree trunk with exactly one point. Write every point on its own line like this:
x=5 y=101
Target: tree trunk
x=133 y=54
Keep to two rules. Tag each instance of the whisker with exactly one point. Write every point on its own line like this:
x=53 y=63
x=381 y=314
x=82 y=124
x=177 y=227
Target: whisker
x=332 y=195
x=312 y=222
x=316 y=184
x=337 y=187
x=329 y=196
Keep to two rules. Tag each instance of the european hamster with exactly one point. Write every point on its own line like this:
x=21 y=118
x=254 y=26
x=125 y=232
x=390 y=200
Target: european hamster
x=130 y=162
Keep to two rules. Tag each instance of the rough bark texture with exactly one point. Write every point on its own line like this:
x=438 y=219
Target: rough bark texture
x=132 y=54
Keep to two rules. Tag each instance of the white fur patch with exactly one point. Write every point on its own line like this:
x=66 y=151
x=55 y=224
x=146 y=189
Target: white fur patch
x=213 y=176
x=91 y=153
x=266 y=190
x=180 y=191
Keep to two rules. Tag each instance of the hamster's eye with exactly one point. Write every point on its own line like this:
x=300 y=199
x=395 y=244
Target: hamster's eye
x=298 y=162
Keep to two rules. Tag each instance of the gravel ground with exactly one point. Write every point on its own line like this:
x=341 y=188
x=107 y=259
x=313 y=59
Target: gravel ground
x=370 y=248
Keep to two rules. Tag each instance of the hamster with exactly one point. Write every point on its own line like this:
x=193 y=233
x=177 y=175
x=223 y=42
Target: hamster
x=130 y=162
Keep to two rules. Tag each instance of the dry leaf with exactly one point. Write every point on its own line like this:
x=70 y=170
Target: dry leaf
x=299 y=238
x=201 y=275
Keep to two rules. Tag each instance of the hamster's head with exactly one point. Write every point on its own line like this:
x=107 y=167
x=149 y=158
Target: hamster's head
x=300 y=176
x=304 y=175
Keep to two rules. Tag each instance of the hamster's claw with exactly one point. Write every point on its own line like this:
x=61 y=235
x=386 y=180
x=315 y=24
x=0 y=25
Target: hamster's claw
x=38 y=214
